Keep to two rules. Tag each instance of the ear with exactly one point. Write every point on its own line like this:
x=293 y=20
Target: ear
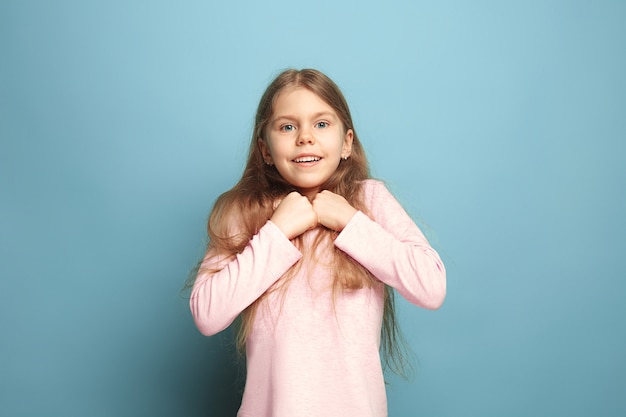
x=265 y=152
x=346 y=150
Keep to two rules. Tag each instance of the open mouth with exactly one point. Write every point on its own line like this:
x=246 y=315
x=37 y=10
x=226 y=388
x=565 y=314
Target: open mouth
x=305 y=159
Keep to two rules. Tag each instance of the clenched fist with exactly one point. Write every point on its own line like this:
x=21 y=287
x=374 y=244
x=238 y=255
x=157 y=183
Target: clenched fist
x=294 y=215
x=333 y=211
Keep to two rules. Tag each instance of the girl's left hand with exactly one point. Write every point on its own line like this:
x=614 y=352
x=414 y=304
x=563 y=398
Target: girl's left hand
x=333 y=211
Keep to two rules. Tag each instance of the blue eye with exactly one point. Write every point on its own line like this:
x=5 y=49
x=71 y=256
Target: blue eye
x=322 y=125
x=288 y=128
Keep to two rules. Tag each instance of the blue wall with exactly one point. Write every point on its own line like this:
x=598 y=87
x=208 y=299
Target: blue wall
x=500 y=126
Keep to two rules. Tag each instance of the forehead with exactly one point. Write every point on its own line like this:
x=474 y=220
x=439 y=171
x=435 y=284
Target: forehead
x=299 y=101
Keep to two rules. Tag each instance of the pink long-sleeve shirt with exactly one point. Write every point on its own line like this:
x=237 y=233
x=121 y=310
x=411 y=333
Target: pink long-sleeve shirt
x=310 y=354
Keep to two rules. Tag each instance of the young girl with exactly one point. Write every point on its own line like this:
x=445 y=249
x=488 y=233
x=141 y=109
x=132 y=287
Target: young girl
x=306 y=250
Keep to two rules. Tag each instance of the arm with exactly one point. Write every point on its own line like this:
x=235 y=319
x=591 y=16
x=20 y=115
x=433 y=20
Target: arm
x=394 y=250
x=218 y=298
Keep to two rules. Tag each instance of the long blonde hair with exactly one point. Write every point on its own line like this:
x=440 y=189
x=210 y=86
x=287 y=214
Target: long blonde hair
x=250 y=203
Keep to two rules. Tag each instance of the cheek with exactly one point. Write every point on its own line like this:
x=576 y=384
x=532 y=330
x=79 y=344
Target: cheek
x=274 y=147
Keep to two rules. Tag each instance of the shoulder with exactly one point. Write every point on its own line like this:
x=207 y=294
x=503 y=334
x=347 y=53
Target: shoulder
x=377 y=198
x=236 y=217
x=371 y=185
x=374 y=189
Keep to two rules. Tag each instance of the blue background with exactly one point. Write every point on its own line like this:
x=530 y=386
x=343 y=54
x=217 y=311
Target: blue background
x=500 y=125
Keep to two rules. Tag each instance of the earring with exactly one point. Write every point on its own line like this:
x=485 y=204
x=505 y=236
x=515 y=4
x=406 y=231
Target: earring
x=345 y=158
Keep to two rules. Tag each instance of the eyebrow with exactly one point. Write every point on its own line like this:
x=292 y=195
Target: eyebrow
x=315 y=116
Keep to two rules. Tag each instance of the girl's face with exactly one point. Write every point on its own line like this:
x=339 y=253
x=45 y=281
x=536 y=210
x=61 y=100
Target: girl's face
x=305 y=140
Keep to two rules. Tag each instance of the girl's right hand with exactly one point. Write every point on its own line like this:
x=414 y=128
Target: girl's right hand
x=294 y=215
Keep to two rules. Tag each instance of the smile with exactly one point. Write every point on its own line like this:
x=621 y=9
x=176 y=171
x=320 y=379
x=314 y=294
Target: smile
x=307 y=159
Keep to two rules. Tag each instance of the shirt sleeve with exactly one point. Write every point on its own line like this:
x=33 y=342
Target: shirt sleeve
x=394 y=249
x=218 y=298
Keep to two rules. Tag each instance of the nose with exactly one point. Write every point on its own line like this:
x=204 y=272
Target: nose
x=305 y=136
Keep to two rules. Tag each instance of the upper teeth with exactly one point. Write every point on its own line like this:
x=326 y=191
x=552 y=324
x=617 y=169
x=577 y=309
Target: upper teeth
x=307 y=159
